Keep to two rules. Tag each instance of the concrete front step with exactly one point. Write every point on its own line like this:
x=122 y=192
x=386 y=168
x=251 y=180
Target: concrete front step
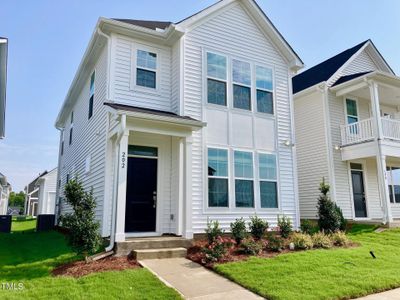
x=126 y=247
x=159 y=253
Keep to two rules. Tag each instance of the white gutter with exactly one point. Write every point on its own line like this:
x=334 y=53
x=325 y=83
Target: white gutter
x=116 y=173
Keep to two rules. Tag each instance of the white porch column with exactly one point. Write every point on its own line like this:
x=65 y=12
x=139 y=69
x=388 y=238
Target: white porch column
x=187 y=183
x=121 y=187
x=380 y=158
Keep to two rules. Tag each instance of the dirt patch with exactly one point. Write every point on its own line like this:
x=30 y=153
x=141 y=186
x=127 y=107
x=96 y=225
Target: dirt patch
x=81 y=268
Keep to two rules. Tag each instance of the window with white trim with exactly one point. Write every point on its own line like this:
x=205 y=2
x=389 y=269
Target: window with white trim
x=146 y=69
x=218 y=191
x=244 y=183
x=241 y=84
x=394 y=184
x=352 y=111
x=62 y=143
x=91 y=95
x=216 y=79
x=264 y=90
x=268 y=180
x=72 y=128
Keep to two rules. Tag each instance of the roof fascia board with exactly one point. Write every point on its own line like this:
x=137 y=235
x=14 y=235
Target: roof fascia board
x=310 y=90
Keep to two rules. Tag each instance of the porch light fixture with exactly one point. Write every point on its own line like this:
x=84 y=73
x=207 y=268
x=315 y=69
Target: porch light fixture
x=336 y=147
x=288 y=143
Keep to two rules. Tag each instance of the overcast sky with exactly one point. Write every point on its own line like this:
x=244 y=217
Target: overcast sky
x=48 y=38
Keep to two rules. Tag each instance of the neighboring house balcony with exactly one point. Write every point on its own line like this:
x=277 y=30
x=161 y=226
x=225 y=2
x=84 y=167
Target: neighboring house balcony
x=371 y=123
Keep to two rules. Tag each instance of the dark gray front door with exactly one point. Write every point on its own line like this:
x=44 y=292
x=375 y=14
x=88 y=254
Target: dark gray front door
x=360 y=207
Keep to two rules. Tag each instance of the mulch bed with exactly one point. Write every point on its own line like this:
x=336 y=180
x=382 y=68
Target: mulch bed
x=81 y=268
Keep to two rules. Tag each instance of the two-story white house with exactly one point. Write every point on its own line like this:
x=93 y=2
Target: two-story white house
x=175 y=124
x=347 y=116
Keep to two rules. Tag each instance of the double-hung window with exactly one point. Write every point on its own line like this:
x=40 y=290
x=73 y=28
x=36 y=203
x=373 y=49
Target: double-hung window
x=216 y=79
x=352 y=113
x=264 y=90
x=394 y=184
x=241 y=79
x=268 y=182
x=72 y=128
x=62 y=143
x=217 y=177
x=146 y=69
x=244 y=183
x=91 y=95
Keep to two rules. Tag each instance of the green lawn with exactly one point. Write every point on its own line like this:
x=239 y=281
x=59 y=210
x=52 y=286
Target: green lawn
x=28 y=224
x=324 y=274
x=28 y=257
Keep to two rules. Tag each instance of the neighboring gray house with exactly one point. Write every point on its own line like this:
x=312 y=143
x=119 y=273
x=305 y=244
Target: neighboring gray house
x=347 y=118
x=47 y=185
x=173 y=124
x=5 y=190
x=32 y=197
x=3 y=83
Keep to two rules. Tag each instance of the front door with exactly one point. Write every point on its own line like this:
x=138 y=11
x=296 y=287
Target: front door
x=141 y=195
x=360 y=207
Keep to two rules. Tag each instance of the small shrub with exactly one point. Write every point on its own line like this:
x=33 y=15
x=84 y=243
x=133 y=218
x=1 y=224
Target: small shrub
x=213 y=231
x=321 y=240
x=251 y=247
x=215 y=251
x=238 y=230
x=308 y=227
x=82 y=226
x=343 y=221
x=329 y=215
x=285 y=226
x=339 y=238
x=275 y=243
x=301 y=241
x=257 y=227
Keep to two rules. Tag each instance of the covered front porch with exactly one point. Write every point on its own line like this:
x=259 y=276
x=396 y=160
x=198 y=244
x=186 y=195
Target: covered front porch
x=152 y=173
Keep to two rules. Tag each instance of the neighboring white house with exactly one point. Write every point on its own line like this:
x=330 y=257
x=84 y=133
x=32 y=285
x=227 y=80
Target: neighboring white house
x=3 y=83
x=5 y=190
x=32 y=197
x=347 y=119
x=47 y=185
x=174 y=124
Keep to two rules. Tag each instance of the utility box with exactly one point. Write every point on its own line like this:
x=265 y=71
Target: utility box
x=45 y=222
x=5 y=223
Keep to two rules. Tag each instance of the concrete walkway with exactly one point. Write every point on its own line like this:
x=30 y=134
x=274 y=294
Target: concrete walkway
x=194 y=281
x=388 y=295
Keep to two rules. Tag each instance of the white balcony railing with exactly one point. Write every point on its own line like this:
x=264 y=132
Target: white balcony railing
x=391 y=129
x=364 y=131
x=357 y=132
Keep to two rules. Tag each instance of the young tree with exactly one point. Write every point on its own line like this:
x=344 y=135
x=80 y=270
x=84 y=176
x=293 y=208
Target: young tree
x=17 y=199
x=330 y=217
x=83 y=228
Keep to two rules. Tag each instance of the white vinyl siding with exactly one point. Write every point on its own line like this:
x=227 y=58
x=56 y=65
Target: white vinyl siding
x=312 y=150
x=233 y=32
x=88 y=138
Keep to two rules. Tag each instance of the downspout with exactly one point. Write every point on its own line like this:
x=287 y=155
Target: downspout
x=115 y=190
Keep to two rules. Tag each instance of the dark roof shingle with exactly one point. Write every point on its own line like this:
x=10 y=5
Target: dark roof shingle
x=145 y=23
x=346 y=78
x=324 y=70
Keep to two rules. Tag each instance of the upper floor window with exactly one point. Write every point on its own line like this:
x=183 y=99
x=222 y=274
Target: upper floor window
x=352 y=111
x=264 y=90
x=91 y=95
x=241 y=79
x=268 y=182
x=62 y=143
x=216 y=79
x=244 y=185
x=72 y=128
x=146 y=71
x=72 y=117
x=217 y=177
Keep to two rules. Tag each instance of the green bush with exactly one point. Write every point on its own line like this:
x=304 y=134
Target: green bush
x=285 y=226
x=339 y=238
x=251 y=247
x=83 y=230
x=308 y=227
x=330 y=218
x=215 y=251
x=257 y=227
x=238 y=230
x=213 y=231
x=274 y=243
x=321 y=240
x=301 y=241
x=343 y=221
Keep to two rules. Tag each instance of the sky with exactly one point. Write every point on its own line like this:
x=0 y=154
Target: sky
x=47 y=40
